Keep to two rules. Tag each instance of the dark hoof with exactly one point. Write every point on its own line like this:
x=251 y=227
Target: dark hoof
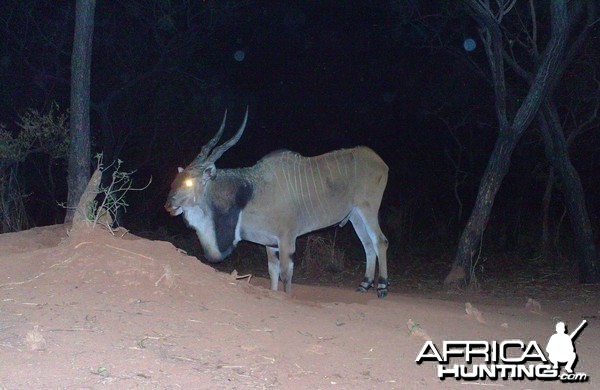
x=364 y=286
x=382 y=287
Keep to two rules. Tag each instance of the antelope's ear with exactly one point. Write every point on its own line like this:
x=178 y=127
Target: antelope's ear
x=179 y=169
x=209 y=173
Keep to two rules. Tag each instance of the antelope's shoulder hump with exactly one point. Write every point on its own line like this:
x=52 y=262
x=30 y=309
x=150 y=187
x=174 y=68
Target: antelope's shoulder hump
x=278 y=154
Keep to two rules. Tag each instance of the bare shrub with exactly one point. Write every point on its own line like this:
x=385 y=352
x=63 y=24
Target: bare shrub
x=45 y=133
x=100 y=203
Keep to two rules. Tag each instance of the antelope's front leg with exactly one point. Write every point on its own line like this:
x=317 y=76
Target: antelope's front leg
x=287 y=254
x=274 y=267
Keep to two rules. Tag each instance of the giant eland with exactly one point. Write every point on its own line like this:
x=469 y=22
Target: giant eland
x=283 y=196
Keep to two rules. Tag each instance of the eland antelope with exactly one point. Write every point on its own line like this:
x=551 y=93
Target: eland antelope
x=283 y=196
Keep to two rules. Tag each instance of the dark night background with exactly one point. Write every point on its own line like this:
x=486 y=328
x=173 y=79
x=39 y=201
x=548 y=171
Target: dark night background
x=317 y=76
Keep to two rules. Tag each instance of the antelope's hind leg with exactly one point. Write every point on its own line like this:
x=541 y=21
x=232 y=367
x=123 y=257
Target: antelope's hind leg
x=361 y=232
x=375 y=243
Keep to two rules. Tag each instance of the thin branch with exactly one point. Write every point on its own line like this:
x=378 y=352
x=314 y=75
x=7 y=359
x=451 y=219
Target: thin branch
x=492 y=38
x=534 y=46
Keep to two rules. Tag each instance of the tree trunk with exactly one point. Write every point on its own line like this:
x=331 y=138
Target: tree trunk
x=472 y=234
x=573 y=195
x=556 y=151
x=547 y=74
x=81 y=61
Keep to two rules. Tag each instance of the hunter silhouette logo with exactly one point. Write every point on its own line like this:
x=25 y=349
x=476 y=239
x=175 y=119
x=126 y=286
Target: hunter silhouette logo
x=507 y=359
x=560 y=347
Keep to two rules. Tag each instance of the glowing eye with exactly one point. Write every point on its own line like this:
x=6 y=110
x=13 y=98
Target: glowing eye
x=189 y=183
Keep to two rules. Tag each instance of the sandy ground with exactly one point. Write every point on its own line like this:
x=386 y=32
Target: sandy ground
x=97 y=310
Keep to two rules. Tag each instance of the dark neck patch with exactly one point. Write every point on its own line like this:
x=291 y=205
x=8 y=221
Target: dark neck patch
x=226 y=212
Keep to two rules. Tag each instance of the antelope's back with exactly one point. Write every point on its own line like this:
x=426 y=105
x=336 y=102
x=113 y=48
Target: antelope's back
x=315 y=192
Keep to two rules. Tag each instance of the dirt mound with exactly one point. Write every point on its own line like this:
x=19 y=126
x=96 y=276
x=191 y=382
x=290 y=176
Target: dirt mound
x=77 y=312
x=32 y=239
